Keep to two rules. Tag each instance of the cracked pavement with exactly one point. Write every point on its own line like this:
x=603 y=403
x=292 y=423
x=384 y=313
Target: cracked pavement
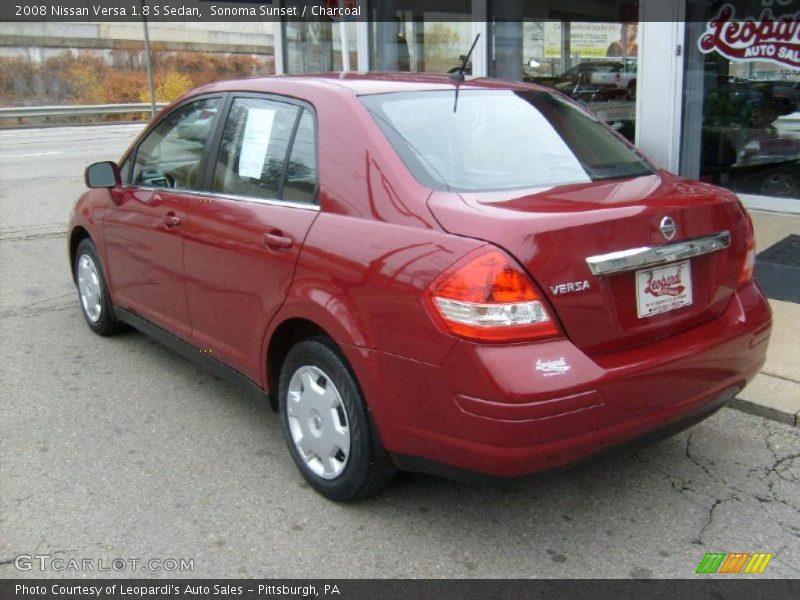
x=118 y=448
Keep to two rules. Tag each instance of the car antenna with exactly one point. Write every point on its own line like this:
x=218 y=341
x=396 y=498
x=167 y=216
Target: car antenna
x=458 y=76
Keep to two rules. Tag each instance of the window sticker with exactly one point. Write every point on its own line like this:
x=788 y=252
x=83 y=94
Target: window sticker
x=257 y=133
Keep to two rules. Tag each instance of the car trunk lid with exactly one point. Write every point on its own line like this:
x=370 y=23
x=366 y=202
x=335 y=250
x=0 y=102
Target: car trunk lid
x=553 y=232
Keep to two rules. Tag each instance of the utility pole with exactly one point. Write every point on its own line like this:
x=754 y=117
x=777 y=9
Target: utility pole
x=149 y=63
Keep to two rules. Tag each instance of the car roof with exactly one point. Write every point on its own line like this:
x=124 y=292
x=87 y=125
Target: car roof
x=366 y=83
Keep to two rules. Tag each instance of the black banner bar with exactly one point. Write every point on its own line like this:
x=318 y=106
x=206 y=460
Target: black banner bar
x=711 y=587
x=102 y=11
x=607 y=11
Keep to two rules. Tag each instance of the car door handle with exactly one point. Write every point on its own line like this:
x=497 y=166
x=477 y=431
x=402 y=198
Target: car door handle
x=276 y=240
x=171 y=220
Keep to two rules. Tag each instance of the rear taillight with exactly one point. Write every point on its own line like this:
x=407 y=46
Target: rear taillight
x=488 y=297
x=749 y=264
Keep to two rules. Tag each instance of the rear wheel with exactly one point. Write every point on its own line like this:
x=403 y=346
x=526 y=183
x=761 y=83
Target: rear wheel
x=326 y=424
x=93 y=291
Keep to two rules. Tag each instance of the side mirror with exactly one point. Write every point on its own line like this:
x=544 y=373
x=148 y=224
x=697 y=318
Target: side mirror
x=102 y=175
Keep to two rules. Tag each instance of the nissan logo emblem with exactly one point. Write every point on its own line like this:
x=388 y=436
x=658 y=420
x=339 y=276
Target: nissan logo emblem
x=668 y=228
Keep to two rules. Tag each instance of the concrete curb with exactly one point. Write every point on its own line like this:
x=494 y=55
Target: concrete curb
x=772 y=397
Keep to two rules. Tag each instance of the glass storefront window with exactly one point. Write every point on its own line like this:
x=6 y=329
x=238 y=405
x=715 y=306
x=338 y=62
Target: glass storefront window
x=314 y=45
x=407 y=36
x=593 y=62
x=741 y=125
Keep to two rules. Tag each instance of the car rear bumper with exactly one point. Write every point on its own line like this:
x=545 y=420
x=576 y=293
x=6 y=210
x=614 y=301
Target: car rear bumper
x=488 y=409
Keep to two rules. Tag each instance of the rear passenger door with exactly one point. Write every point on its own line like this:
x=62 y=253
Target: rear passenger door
x=246 y=231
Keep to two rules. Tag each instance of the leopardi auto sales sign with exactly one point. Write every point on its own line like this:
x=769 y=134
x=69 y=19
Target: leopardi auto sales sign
x=769 y=38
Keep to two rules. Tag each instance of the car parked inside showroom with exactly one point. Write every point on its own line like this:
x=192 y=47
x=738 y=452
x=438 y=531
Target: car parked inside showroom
x=422 y=273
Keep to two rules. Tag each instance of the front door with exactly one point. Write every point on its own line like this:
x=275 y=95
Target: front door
x=245 y=234
x=144 y=225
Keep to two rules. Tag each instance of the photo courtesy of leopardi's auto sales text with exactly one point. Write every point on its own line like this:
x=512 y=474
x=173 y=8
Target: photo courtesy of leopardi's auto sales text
x=356 y=299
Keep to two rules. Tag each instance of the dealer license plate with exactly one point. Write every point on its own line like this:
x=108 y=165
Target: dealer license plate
x=663 y=289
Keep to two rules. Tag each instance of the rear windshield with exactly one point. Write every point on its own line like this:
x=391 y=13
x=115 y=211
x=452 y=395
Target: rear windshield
x=500 y=139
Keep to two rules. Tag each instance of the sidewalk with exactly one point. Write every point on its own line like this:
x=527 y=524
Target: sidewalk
x=775 y=392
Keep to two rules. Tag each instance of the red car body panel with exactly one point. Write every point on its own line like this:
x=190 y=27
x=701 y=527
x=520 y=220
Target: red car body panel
x=359 y=267
x=236 y=282
x=485 y=410
x=148 y=256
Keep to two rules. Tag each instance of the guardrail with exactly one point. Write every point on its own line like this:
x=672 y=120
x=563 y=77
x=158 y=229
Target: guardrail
x=23 y=112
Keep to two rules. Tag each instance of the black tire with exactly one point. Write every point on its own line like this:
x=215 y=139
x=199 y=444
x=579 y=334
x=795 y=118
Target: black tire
x=105 y=323
x=368 y=468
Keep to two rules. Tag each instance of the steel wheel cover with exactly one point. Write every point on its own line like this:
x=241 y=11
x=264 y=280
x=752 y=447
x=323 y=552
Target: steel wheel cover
x=89 y=287
x=318 y=422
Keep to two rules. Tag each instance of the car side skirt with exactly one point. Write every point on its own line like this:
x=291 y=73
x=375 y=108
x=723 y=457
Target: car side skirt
x=192 y=353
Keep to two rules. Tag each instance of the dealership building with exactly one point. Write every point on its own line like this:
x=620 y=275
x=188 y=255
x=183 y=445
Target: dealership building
x=719 y=102
x=709 y=89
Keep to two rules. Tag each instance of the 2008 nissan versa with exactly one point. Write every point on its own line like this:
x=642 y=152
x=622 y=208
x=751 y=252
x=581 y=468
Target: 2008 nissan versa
x=423 y=273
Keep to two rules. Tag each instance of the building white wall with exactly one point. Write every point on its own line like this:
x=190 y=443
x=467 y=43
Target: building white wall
x=659 y=86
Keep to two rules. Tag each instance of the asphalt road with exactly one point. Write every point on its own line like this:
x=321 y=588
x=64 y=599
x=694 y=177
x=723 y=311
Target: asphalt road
x=117 y=448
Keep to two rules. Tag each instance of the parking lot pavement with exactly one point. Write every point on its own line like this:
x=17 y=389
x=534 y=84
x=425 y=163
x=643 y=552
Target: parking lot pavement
x=118 y=448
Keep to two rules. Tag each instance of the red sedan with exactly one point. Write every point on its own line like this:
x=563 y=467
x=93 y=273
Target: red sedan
x=424 y=274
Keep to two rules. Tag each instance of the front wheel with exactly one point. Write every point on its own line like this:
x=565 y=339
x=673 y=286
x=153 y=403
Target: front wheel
x=326 y=424
x=93 y=291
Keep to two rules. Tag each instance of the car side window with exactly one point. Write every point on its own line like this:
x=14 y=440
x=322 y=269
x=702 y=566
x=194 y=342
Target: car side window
x=253 y=149
x=170 y=156
x=301 y=171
